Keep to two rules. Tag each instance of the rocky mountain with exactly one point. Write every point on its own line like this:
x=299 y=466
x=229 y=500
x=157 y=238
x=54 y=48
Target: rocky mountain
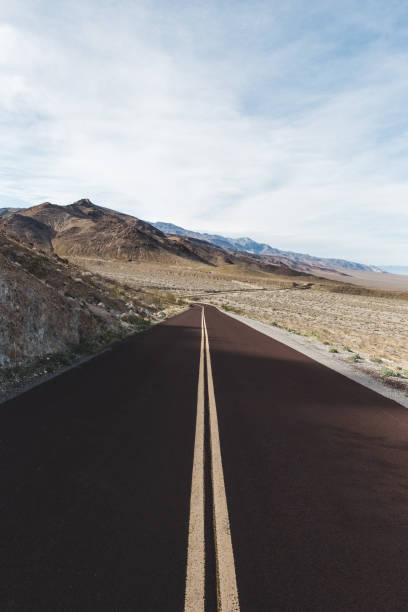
x=301 y=261
x=85 y=230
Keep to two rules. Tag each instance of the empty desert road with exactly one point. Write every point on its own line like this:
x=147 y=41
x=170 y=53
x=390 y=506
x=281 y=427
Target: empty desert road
x=202 y=466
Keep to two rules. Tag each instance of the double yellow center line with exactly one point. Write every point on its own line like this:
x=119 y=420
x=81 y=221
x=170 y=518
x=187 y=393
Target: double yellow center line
x=227 y=591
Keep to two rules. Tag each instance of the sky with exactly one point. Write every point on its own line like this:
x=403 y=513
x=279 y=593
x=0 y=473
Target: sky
x=283 y=121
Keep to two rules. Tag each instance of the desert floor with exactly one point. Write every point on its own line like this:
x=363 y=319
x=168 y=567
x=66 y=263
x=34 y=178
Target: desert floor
x=369 y=327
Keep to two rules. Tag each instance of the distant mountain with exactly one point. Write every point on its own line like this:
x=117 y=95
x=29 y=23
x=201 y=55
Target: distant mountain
x=238 y=244
x=6 y=211
x=395 y=269
x=298 y=260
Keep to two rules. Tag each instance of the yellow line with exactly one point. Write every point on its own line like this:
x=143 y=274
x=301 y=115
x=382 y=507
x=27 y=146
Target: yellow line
x=226 y=580
x=195 y=581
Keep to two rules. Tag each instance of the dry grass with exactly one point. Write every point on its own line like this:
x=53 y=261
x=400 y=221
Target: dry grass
x=370 y=321
x=376 y=326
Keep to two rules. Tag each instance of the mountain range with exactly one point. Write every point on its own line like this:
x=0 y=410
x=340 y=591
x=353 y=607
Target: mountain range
x=247 y=245
x=86 y=230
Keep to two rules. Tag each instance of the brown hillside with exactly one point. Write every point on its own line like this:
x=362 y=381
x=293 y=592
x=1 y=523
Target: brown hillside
x=84 y=230
x=29 y=230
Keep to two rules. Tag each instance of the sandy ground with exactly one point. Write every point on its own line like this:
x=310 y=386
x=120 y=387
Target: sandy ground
x=372 y=325
x=369 y=330
x=390 y=282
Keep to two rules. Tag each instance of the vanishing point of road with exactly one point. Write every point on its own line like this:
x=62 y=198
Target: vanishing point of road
x=203 y=466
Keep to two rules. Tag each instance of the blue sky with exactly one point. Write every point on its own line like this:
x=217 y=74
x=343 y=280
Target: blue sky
x=287 y=122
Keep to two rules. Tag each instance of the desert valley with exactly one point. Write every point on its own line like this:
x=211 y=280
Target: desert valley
x=74 y=278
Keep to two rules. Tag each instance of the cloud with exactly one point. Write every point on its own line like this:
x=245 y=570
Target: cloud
x=281 y=121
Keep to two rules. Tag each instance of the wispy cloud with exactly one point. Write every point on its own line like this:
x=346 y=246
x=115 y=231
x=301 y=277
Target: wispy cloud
x=279 y=120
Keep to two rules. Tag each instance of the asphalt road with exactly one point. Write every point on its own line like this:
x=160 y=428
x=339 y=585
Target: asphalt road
x=203 y=462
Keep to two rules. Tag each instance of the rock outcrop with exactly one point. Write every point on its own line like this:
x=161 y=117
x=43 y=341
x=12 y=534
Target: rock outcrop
x=47 y=305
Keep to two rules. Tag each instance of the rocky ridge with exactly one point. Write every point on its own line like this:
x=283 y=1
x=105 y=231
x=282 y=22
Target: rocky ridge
x=298 y=261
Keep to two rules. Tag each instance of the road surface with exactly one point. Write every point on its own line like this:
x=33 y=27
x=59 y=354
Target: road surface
x=200 y=466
